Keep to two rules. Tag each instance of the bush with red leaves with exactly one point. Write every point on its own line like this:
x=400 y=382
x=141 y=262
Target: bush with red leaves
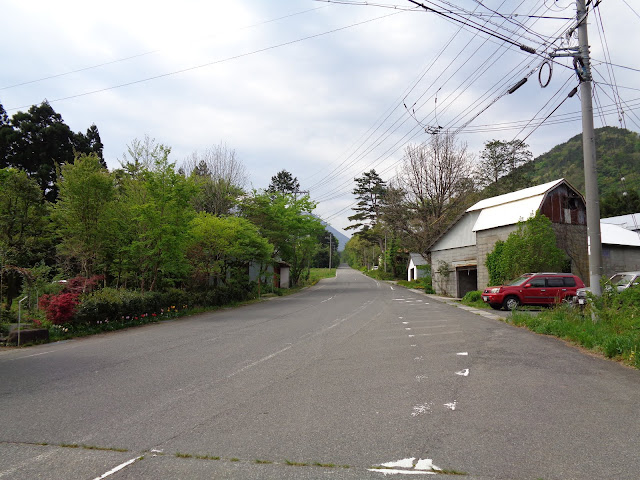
x=59 y=309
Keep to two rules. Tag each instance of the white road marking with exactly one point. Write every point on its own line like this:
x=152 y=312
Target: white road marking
x=414 y=345
x=462 y=353
x=421 y=409
x=406 y=467
x=407 y=328
x=419 y=378
x=405 y=323
x=32 y=355
x=117 y=469
x=438 y=333
x=417 y=359
x=451 y=405
x=411 y=336
x=264 y=359
x=404 y=463
x=426 y=464
x=464 y=373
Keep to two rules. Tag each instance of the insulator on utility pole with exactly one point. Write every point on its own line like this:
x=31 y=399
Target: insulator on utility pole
x=517 y=85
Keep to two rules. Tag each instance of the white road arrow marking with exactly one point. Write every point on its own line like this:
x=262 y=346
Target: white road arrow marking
x=464 y=373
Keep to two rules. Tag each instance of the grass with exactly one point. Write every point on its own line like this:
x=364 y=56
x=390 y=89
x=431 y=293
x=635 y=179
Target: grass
x=263 y=462
x=474 y=299
x=317 y=274
x=615 y=334
x=295 y=464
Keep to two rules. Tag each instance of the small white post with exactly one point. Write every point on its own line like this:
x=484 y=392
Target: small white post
x=20 y=315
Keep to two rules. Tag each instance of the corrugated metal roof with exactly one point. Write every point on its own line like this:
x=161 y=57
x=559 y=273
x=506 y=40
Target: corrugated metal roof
x=515 y=196
x=630 y=221
x=417 y=259
x=508 y=213
x=611 y=234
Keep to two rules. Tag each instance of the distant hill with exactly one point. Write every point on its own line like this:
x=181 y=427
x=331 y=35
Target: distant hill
x=342 y=238
x=617 y=156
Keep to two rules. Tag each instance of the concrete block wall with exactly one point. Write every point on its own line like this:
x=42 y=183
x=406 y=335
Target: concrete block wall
x=448 y=285
x=618 y=258
x=486 y=242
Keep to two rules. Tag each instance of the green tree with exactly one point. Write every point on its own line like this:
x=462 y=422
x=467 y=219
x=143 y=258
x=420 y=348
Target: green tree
x=156 y=211
x=220 y=176
x=287 y=223
x=38 y=140
x=530 y=248
x=369 y=190
x=501 y=160
x=283 y=182
x=327 y=251
x=219 y=245
x=25 y=238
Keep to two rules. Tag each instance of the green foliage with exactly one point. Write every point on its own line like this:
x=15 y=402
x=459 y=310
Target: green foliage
x=24 y=233
x=498 y=167
x=86 y=191
x=37 y=140
x=283 y=183
x=474 y=299
x=494 y=263
x=370 y=190
x=157 y=206
x=615 y=333
x=286 y=222
x=531 y=248
x=617 y=155
x=220 y=244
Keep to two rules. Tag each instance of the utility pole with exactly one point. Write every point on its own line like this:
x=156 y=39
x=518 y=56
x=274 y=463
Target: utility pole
x=583 y=63
x=330 y=248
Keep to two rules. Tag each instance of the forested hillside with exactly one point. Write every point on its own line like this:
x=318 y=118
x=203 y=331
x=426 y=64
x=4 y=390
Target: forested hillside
x=617 y=156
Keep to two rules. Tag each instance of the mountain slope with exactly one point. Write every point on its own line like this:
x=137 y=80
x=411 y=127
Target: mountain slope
x=617 y=156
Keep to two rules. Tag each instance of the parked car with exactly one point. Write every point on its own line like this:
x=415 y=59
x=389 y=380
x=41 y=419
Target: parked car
x=533 y=289
x=621 y=281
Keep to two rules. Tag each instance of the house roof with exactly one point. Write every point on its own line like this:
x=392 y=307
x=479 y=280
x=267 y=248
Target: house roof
x=515 y=196
x=510 y=208
x=630 y=221
x=611 y=234
x=417 y=259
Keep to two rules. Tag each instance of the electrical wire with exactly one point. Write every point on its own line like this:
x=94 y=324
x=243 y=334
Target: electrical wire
x=215 y=62
x=150 y=52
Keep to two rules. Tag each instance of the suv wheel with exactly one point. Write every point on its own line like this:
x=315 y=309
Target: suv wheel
x=511 y=303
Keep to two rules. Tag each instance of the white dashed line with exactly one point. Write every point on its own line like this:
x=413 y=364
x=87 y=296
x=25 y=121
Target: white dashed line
x=117 y=469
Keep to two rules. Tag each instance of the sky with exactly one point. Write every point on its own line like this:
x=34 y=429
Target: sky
x=324 y=90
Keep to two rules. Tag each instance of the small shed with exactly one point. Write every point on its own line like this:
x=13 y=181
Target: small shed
x=413 y=272
x=276 y=274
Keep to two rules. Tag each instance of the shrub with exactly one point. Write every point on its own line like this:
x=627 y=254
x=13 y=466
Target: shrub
x=59 y=309
x=473 y=296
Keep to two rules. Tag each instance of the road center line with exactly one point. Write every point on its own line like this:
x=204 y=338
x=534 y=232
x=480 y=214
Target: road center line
x=117 y=469
x=257 y=362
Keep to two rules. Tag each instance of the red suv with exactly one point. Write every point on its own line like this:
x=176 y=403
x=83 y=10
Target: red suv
x=533 y=289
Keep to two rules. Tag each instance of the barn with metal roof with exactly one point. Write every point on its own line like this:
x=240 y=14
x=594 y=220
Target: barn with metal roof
x=458 y=256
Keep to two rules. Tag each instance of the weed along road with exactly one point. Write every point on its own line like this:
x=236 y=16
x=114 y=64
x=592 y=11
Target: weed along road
x=350 y=379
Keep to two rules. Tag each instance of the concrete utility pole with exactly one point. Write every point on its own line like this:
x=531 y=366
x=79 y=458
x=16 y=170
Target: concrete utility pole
x=583 y=66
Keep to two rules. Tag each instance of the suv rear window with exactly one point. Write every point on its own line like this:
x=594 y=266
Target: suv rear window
x=569 y=282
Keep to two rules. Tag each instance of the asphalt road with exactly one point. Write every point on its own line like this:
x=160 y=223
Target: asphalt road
x=326 y=383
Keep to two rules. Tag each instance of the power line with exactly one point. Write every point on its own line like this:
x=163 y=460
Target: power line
x=150 y=52
x=216 y=62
